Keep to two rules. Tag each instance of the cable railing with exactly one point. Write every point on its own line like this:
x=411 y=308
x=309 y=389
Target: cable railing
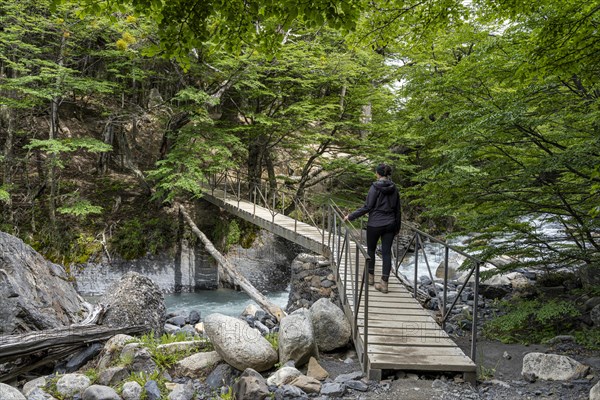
x=336 y=237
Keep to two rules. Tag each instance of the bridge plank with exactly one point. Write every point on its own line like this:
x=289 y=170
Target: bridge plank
x=402 y=335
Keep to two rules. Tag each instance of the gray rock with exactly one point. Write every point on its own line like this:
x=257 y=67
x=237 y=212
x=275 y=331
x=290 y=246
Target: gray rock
x=182 y=392
x=72 y=384
x=251 y=386
x=595 y=392
x=222 y=375
x=357 y=385
x=98 y=392
x=131 y=391
x=112 y=350
x=189 y=330
x=138 y=358
x=296 y=338
x=38 y=394
x=552 y=367
x=197 y=365
x=191 y=346
x=113 y=376
x=152 y=390
x=352 y=376
x=177 y=321
x=82 y=357
x=194 y=317
x=283 y=376
x=289 y=392
x=331 y=327
x=35 y=294
x=261 y=327
x=240 y=345
x=595 y=315
x=591 y=303
x=135 y=300
x=171 y=329
x=307 y=384
x=333 y=389
x=33 y=384
x=8 y=392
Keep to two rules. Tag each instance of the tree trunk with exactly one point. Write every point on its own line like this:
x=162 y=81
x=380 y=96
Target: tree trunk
x=7 y=121
x=231 y=272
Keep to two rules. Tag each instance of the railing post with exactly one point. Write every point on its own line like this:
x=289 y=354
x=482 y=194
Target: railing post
x=445 y=296
x=225 y=187
x=475 y=311
x=345 y=267
x=417 y=245
x=239 y=186
x=254 y=202
x=366 y=317
x=356 y=298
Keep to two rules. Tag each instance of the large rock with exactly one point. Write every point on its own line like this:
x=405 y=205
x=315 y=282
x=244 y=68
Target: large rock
x=296 y=338
x=112 y=350
x=595 y=315
x=331 y=328
x=99 y=392
x=131 y=391
x=552 y=367
x=135 y=300
x=240 y=345
x=250 y=386
x=10 y=393
x=283 y=376
x=72 y=384
x=35 y=294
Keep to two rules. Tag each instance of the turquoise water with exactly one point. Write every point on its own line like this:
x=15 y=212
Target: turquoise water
x=223 y=301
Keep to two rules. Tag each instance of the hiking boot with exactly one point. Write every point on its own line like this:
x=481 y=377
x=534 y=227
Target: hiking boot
x=382 y=286
x=371 y=279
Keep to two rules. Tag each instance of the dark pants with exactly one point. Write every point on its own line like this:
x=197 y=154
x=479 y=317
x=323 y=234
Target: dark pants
x=386 y=233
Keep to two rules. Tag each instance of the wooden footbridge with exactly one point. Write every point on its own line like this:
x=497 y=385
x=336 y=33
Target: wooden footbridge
x=390 y=331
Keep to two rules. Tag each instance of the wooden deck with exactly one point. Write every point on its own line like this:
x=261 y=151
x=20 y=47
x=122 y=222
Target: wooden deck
x=401 y=335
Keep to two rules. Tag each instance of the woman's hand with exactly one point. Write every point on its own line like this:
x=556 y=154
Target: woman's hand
x=346 y=218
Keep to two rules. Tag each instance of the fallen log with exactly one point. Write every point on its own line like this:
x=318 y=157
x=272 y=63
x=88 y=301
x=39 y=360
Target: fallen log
x=231 y=272
x=13 y=347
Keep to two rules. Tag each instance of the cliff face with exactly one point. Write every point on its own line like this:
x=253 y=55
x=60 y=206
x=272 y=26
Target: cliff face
x=35 y=294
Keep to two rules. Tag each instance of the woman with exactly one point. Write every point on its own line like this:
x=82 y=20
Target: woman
x=382 y=205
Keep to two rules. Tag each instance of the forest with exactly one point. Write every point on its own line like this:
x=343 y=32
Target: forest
x=488 y=111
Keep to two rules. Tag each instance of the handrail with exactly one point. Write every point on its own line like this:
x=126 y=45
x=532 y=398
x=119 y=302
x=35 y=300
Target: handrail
x=337 y=238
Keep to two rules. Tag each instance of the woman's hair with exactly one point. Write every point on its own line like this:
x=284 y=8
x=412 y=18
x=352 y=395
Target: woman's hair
x=384 y=170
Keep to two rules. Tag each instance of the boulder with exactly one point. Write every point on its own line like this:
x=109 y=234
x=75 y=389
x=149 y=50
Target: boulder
x=8 y=392
x=113 y=376
x=152 y=390
x=331 y=327
x=197 y=365
x=39 y=394
x=137 y=358
x=83 y=356
x=250 y=386
x=35 y=294
x=552 y=367
x=289 y=392
x=135 y=300
x=283 y=376
x=595 y=392
x=99 y=392
x=240 y=346
x=34 y=384
x=72 y=384
x=296 y=338
x=223 y=375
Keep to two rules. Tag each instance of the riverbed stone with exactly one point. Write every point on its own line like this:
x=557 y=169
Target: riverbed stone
x=307 y=384
x=197 y=365
x=99 y=392
x=131 y=391
x=283 y=376
x=194 y=317
x=71 y=384
x=289 y=392
x=552 y=367
x=8 y=392
x=135 y=300
x=178 y=320
x=222 y=375
x=296 y=338
x=331 y=327
x=190 y=346
x=113 y=376
x=595 y=392
x=182 y=391
x=112 y=350
x=138 y=358
x=33 y=384
x=240 y=345
x=595 y=315
x=315 y=370
x=39 y=394
x=35 y=294
x=83 y=356
x=333 y=389
x=250 y=386
x=152 y=390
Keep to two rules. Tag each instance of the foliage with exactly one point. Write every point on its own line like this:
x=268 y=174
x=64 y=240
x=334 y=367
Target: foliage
x=531 y=321
x=273 y=338
x=135 y=238
x=166 y=360
x=80 y=208
x=4 y=195
x=142 y=377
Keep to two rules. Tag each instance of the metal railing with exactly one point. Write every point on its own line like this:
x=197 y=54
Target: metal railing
x=336 y=236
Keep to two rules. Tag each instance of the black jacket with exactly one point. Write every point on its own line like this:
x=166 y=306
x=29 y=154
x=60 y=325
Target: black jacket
x=382 y=204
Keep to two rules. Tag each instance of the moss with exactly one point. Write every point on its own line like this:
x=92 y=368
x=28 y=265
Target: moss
x=135 y=238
